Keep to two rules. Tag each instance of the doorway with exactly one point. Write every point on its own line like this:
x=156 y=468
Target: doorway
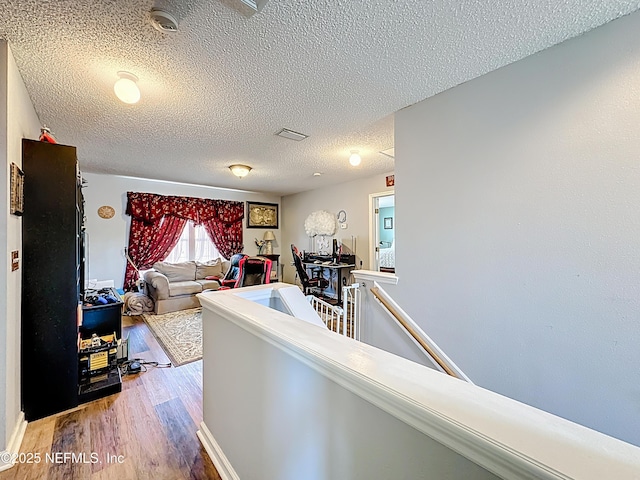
x=382 y=226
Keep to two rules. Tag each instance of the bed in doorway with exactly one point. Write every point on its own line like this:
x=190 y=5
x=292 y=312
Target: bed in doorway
x=387 y=258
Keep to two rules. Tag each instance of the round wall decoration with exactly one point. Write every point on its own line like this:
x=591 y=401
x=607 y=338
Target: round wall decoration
x=106 y=211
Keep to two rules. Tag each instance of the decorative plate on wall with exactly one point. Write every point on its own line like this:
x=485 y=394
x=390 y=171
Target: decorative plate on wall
x=106 y=211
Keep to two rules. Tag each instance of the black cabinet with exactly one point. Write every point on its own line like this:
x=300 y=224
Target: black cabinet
x=52 y=278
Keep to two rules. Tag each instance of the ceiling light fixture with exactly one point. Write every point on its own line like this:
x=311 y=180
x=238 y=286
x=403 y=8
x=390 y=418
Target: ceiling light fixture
x=240 y=171
x=126 y=87
x=355 y=158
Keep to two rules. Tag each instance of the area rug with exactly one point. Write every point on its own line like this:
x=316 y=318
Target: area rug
x=178 y=333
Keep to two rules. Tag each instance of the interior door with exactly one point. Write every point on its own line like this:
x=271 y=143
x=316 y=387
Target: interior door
x=382 y=232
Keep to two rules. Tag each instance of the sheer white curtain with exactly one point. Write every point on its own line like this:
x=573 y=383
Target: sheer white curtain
x=194 y=244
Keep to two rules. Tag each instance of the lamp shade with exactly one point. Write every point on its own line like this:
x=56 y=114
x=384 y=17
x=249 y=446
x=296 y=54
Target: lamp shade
x=269 y=236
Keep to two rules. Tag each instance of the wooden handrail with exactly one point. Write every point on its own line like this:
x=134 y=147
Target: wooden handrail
x=392 y=310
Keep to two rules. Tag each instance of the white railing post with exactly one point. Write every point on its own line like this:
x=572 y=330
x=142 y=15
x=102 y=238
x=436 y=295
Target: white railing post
x=345 y=319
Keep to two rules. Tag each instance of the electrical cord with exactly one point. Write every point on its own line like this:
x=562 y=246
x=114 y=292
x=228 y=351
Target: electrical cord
x=126 y=366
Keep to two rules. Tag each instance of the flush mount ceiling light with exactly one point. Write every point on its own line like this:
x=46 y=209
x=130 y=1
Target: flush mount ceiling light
x=291 y=135
x=240 y=171
x=126 y=88
x=355 y=159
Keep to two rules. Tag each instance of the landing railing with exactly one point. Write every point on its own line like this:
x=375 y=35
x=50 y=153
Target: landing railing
x=375 y=330
x=345 y=319
x=413 y=333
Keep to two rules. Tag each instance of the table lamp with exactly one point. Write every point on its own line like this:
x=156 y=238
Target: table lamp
x=268 y=238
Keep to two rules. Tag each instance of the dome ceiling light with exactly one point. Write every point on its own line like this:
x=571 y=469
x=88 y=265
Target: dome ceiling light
x=355 y=158
x=240 y=171
x=126 y=88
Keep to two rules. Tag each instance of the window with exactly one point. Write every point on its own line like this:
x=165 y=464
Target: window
x=194 y=244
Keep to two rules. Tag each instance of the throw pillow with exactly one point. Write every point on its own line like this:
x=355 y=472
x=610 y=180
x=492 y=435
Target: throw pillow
x=212 y=268
x=177 y=272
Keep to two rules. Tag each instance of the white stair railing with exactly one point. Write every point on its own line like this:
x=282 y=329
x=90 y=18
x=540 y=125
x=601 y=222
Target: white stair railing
x=345 y=319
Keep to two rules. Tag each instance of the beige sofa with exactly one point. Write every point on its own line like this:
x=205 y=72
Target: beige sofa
x=174 y=286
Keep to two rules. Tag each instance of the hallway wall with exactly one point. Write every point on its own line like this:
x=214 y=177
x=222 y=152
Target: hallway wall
x=527 y=184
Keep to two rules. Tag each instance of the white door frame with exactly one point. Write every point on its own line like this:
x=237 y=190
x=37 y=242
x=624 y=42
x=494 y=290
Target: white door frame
x=374 y=221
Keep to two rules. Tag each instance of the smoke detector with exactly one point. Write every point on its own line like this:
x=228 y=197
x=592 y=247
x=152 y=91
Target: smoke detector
x=163 y=21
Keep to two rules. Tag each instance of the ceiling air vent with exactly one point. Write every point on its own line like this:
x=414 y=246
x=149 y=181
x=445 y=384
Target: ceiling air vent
x=291 y=135
x=163 y=21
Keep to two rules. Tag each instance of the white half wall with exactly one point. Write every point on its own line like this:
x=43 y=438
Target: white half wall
x=275 y=416
x=106 y=239
x=18 y=120
x=352 y=197
x=525 y=264
x=286 y=399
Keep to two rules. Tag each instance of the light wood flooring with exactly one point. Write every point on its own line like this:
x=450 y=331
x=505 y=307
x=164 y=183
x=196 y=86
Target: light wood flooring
x=146 y=431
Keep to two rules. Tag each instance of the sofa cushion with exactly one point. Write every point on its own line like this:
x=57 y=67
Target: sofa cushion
x=209 y=284
x=184 y=288
x=212 y=268
x=177 y=272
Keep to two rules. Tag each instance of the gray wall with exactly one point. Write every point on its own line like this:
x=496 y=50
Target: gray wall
x=525 y=264
x=18 y=119
x=4 y=51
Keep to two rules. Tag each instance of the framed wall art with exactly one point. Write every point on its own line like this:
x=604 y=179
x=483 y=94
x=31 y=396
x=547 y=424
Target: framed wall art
x=17 y=191
x=262 y=215
x=388 y=223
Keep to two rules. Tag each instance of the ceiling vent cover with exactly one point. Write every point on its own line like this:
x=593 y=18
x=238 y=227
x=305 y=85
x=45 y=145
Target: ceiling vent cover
x=291 y=135
x=163 y=21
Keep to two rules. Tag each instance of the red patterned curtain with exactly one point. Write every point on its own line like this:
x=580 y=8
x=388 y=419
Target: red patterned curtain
x=224 y=226
x=151 y=243
x=157 y=222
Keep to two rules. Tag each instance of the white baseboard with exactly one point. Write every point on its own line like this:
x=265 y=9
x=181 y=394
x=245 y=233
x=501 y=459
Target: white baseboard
x=219 y=459
x=13 y=447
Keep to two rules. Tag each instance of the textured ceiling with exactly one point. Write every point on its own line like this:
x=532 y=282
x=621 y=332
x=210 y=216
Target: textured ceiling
x=217 y=91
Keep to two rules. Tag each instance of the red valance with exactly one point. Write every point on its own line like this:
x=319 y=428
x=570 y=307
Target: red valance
x=151 y=207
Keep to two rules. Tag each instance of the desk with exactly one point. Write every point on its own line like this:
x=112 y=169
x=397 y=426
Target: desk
x=338 y=274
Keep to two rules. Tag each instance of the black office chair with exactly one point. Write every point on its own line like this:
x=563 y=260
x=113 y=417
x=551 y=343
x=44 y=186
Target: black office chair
x=254 y=271
x=308 y=284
